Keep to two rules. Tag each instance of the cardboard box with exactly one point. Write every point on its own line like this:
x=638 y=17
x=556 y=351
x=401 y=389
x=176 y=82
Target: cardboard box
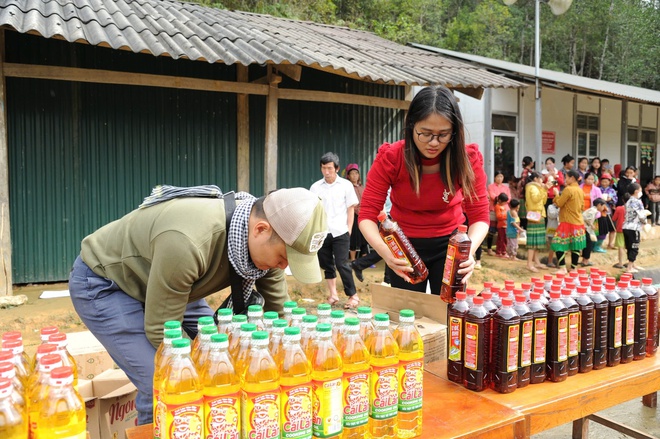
x=90 y=355
x=110 y=403
x=430 y=316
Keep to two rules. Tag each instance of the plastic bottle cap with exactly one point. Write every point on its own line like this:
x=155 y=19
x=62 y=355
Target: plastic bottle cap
x=582 y=290
x=60 y=336
x=50 y=359
x=381 y=216
x=324 y=327
x=219 y=338
x=520 y=298
x=547 y=277
x=560 y=275
x=310 y=318
x=478 y=300
x=595 y=288
x=407 y=313
x=647 y=280
x=299 y=311
x=526 y=285
x=566 y=292
x=248 y=327
x=460 y=295
x=469 y=292
x=485 y=295
x=271 y=315
x=12 y=335
x=488 y=284
x=49 y=330
x=382 y=317
x=337 y=314
x=46 y=348
x=555 y=295
x=173 y=333
x=294 y=330
x=61 y=372
x=623 y=284
x=535 y=279
x=280 y=323
x=261 y=335
x=462 y=228
x=506 y=301
x=11 y=344
x=255 y=308
x=517 y=291
x=209 y=330
x=291 y=304
x=352 y=321
x=224 y=312
x=5 y=359
x=364 y=310
x=206 y=320
x=324 y=307
x=181 y=343
x=239 y=318
x=534 y=296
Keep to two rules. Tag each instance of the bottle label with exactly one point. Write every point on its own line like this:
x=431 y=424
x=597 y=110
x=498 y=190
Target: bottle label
x=512 y=348
x=630 y=324
x=455 y=336
x=540 y=335
x=526 y=343
x=618 y=323
x=383 y=392
x=562 y=339
x=185 y=420
x=328 y=408
x=356 y=399
x=395 y=248
x=159 y=413
x=222 y=416
x=471 y=344
x=260 y=414
x=411 y=385
x=297 y=411
x=573 y=334
x=449 y=264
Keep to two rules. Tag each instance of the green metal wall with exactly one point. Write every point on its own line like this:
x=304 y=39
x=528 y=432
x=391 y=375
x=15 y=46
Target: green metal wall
x=83 y=154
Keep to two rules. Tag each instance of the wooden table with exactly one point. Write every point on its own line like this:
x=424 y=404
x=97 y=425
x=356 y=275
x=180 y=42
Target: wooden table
x=548 y=405
x=448 y=412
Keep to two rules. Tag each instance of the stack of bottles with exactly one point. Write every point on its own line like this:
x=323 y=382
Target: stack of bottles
x=38 y=395
x=549 y=329
x=304 y=376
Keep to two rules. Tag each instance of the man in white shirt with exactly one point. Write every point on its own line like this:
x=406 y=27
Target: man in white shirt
x=339 y=201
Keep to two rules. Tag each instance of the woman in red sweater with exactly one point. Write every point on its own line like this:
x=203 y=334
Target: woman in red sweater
x=433 y=175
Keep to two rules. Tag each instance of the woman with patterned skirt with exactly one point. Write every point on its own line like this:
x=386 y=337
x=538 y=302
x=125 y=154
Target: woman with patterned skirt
x=536 y=194
x=570 y=235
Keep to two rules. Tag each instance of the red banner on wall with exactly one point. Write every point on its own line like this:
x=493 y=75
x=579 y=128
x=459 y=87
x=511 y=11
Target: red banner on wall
x=548 y=142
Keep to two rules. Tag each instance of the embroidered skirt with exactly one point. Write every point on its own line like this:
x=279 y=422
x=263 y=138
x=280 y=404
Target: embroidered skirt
x=569 y=237
x=536 y=239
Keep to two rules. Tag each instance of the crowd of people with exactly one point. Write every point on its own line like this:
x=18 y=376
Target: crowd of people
x=571 y=213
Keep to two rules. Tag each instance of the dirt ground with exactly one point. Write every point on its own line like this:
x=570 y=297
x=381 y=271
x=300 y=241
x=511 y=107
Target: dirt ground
x=29 y=318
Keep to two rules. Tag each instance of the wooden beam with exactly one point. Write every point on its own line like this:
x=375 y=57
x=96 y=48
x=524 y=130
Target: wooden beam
x=476 y=93
x=5 y=230
x=340 y=98
x=270 y=156
x=127 y=78
x=243 y=132
x=293 y=71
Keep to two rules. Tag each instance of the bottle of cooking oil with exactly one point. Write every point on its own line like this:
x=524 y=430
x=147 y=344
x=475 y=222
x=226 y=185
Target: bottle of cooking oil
x=288 y=310
x=61 y=342
x=366 y=325
x=337 y=321
x=181 y=394
x=307 y=331
x=260 y=395
x=224 y=316
x=161 y=358
x=297 y=316
x=199 y=356
x=256 y=316
x=235 y=332
x=10 y=354
x=323 y=311
x=327 y=381
x=44 y=333
x=39 y=391
x=14 y=424
x=8 y=372
x=42 y=351
x=355 y=384
x=201 y=322
x=221 y=390
x=384 y=385
x=62 y=414
x=25 y=358
x=269 y=318
x=411 y=374
x=296 y=384
x=240 y=357
x=275 y=343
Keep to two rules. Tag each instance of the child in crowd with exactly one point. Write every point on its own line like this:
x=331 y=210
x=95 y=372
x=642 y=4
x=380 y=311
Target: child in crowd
x=590 y=217
x=632 y=226
x=652 y=191
x=608 y=193
x=513 y=229
x=605 y=225
x=501 y=207
x=619 y=217
x=552 y=215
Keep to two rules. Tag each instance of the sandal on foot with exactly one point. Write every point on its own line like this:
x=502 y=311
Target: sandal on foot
x=332 y=300
x=617 y=265
x=353 y=303
x=533 y=269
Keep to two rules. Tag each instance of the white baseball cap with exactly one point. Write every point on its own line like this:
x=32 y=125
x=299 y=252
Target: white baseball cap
x=298 y=217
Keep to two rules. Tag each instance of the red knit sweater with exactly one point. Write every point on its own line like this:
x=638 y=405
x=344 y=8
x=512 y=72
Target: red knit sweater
x=435 y=212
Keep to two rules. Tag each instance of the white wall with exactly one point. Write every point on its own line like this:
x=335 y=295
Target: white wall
x=472 y=111
x=557 y=108
x=610 y=130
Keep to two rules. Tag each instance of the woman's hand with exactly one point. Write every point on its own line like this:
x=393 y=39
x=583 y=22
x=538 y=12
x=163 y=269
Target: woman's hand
x=399 y=266
x=466 y=269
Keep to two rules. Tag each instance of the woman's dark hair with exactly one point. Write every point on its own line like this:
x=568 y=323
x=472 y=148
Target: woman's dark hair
x=456 y=171
x=598 y=202
x=583 y=159
x=533 y=175
x=590 y=174
x=567 y=159
x=550 y=159
x=527 y=160
x=502 y=197
x=497 y=173
x=632 y=188
x=596 y=171
x=514 y=203
x=573 y=173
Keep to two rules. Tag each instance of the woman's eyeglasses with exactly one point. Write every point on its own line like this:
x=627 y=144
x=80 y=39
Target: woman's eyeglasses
x=428 y=137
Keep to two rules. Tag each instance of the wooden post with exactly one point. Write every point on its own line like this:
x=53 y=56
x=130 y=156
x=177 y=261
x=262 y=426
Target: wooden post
x=242 y=132
x=5 y=230
x=270 y=156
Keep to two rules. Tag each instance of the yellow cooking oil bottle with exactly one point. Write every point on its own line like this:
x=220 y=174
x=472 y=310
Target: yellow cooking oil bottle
x=236 y=322
x=275 y=343
x=224 y=316
x=44 y=333
x=288 y=310
x=327 y=385
x=181 y=395
x=337 y=321
x=161 y=358
x=61 y=342
x=8 y=372
x=366 y=325
x=42 y=351
x=296 y=385
x=384 y=384
x=199 y=356
x=14 y=423
x=411 y=373
x=307 y=331
x=269 y=318
x=260 y=394
x=222 y=392
x=357 y=371
x=10 y=337
x=201 y=322
x=38 y=392
x=256 y=316
x=244 y=341
x=297 y=316
x=62 y=414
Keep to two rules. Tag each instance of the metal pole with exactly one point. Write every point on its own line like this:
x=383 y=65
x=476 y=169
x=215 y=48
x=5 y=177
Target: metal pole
x=538 y=121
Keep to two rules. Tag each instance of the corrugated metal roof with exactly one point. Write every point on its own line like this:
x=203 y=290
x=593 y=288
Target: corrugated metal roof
x=186 y=30
x=563 y=79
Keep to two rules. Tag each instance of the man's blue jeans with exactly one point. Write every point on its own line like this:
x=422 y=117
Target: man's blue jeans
x=117 y=321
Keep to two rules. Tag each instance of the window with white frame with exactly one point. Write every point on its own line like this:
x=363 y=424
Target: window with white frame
x=587 y=134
